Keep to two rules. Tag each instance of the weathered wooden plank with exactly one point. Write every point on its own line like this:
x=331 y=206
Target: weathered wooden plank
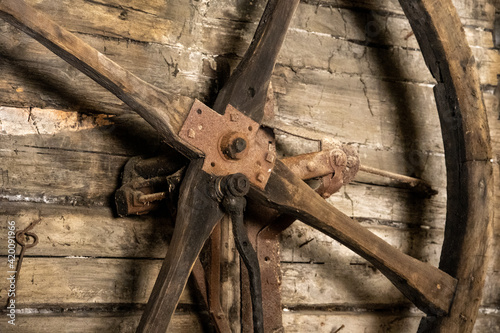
x=363 y=113
x=150 y=21
x=126 y=281
x=381 y=115
x=79 y=280
x=341 y=56
x=371 y=27
x=175 y=68
x=302 y=244
x=89 y=231
x=56 y=176
x=122 y=135
x=321 y=322
x=95 y=322
x=358 y=284
x=345 y=279
x=327 y=322
x=477 y=12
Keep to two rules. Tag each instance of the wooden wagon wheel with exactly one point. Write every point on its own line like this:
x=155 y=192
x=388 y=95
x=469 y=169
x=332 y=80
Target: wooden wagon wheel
x=450 y=296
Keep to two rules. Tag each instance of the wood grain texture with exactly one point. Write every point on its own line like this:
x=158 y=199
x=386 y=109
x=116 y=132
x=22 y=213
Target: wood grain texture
x=197 y=215
x=99 y=322
x=181 y=56
x=427 y=287
x=295 y=322
x=61 y=282
x=164 y=111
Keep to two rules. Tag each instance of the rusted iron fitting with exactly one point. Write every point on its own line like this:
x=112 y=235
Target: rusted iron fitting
x=236 y=185
x=230 y=191
x=335 y=166
x=231 y=142
x=146 y=182
x=233 y=146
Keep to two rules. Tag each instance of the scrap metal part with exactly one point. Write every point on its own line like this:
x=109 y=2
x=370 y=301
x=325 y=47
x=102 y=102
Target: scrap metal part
x=241 y=145
x=335 y=166
x=146 y=182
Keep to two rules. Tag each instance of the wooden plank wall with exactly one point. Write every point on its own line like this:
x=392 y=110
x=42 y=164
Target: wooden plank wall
x=348 y=69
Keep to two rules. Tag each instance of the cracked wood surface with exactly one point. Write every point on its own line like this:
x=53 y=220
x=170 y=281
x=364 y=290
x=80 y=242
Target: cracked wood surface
x=180 y=55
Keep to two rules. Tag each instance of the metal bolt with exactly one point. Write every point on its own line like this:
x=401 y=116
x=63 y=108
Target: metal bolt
x=237 y=146
x=233 y=117
x=146 y=198
x=237 y=184
x=191 y=133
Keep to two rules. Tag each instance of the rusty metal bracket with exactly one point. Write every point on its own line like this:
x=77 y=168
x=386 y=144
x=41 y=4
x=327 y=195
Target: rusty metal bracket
x=336 y=166
x=145 y=182
x=240 y=144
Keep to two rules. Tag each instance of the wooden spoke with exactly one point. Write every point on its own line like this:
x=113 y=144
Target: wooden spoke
x=196 y=217
x=426 y=286
x=246 y=89
x=164 y=111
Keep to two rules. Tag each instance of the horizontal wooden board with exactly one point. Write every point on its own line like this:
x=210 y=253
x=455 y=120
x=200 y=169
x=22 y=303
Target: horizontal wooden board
x=361 y=110
x=356 y=284
x=97 y=232
x=299 y=322
x=89 y=322
x=36 y=174
x=183 y=59
x=79 y=280
x=309 y=259
x=89 y=231
x=367 y=323
x=125 y=135
x=477 y=12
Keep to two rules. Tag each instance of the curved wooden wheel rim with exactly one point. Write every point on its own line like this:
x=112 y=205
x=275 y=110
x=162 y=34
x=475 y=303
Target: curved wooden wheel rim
x=468 y=155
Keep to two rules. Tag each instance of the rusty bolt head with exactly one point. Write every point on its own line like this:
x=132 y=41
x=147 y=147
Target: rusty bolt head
x=236 y=184
x=239 y=144
x=310 y=166
x=235 y=147
x=261 y=177
x=270 y=157
x=234 y=117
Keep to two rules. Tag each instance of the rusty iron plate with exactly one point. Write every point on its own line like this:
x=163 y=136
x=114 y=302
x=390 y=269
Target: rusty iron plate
x=207 y=130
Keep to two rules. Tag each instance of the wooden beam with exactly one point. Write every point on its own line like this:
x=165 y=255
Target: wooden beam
x=426 y=286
